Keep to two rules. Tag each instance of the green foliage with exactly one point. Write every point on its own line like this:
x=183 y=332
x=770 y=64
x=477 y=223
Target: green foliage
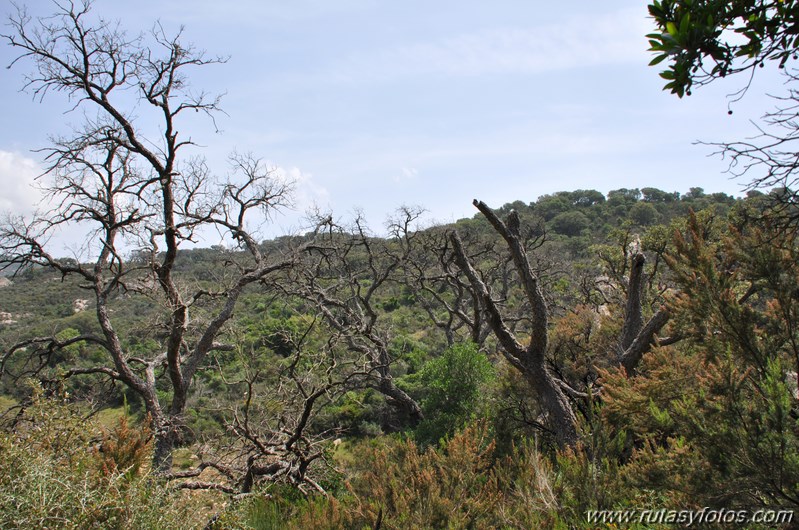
x=714 y=423
x=655 y=195
x=51 y=475
x=452 y=386
x=709 y=415
x=623 y=196
x=643 y=214
x=549 y=206
x=724 y=439
x=275 y=512
x=703 y=41
x=587 y=197
x=711 y=419
x=570 y=223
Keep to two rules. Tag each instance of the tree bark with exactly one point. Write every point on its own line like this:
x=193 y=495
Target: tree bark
x=166 y=439
x=635 y=340
x=636 y=337
x=530 y=361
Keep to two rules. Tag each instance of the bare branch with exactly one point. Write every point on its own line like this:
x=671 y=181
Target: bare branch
x=511 y=348
x=539 y=319
x=123 y=174
x=206 y=486
x=643 y=341
x=530 y=361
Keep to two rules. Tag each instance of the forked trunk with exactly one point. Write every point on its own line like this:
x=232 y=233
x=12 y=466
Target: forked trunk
x=554 y=401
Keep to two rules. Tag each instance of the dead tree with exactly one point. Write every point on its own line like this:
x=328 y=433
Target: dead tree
x=125 y=173
x=343 y=272
x=431 y=272
x=636 y=336
x=445 y=296
x=531 y=360
x=276 y=436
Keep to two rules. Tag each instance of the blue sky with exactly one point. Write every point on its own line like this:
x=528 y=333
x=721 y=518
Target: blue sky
x=371 y=105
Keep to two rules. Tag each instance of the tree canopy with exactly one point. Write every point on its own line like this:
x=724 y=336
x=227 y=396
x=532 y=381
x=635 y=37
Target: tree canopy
x=700 y=41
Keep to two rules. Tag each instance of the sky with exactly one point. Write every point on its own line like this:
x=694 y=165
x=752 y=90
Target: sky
x=373 y=105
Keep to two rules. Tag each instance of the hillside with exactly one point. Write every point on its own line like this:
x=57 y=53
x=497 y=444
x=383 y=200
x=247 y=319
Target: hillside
x=407 y=376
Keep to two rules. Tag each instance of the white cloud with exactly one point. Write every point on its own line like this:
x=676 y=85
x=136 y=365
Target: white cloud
x=581 y=42
x=20 y=195
x=306 y=192
x=406 y=174
x=17 y=175
x=307 y=195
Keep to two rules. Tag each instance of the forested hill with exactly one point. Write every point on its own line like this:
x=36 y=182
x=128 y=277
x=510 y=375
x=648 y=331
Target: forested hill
x=585 y=360
x=517 y=369
x=576 y=220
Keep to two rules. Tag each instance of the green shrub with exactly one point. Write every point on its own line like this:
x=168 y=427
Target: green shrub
x=451 y=386
x=54 y=475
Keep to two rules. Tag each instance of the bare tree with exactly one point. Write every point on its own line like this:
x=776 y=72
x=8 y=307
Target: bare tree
x=343 y=272
x=432 y=274
x=446 y=297
x=276 y=434
x=126 y=174
x=770 y=159
x=531 y=360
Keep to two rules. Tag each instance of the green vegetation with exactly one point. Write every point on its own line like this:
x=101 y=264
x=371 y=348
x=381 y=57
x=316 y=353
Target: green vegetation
x=451 y=387
x=519 y=369
x=58 y=470
x=707 y=419
x=703 y=41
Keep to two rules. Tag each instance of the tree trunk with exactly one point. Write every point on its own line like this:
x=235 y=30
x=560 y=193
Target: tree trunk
x=166 y=434
x=530 y=360
x=402 y=401
x=555 y=402
x=635 y=340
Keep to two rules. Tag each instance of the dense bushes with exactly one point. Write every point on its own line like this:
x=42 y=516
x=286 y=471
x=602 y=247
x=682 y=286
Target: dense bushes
x=707 y=419
x=462 y=484
x=452 y=390
x=59 y=470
